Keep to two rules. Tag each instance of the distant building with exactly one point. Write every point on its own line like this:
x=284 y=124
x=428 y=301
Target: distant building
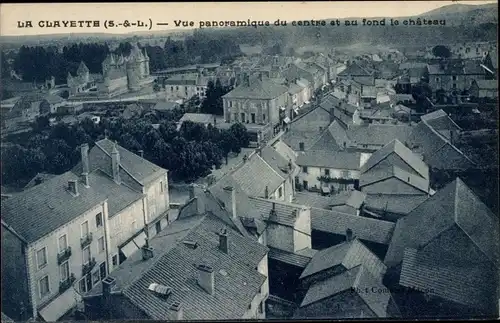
x=484 y=89
x=82 y=82
x=200 y=118
x=455 y=75
x=186 y=86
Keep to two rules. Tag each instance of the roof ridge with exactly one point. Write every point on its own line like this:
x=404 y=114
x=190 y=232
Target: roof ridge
x=270 y=166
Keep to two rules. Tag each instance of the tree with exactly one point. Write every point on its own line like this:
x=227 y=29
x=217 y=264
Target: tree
x=240 y=136
x=225 y=143
x=422 y=93
x=441 y=51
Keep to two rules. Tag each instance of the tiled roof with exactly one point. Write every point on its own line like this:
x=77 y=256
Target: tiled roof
x=289 y=257
x=276 y=161
x=53 y=99
x=197 y=118
x=400 y=204
x=354 y=280
x=473 y=67
x=382 y=174
x=410 y=65
x=41 y=209
x=330 y=159
x=236 y=279
x=487 y=84
x=439 y=120
x=257 y=89
x=375 y=134
x=165 y=106
x=364 y=228
x=162 y=243
x=355 y=70
x=356 y=199
x=325 y=142
x=283 y=212
x=348 y=254
x=455 y=205
x=40 y=177
x=455 y=279
x=141 y=169
x=403 y=152
x=256 y=185
x=314 y=200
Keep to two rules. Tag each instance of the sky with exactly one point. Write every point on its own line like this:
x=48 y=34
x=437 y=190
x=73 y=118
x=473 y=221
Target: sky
x=152 y=13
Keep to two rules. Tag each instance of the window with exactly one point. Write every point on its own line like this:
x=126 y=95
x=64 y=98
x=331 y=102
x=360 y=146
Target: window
x=230 y=104
x=280 y=192
x=454 y=85
x=301 y=146
x=100 y=245
x=454 y=78
x=63 y=243
x=437 y=79
x=64 y=271
x=158 y=227
x=242 y=117
x=102 y=270
x=261 y=307
x=171 y=88
x=161 y=186
x=41 y=258
x=98 y=220
x=44 y=286
x=304 y=169
x=85 y=229
x=263 y=117
x=86 y=255
x=115 y=260
x=327 y=172
x=253 y=117
x=95 y=278
x=177 y=88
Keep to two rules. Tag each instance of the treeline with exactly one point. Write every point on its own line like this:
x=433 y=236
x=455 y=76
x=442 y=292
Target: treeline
x=189 y=153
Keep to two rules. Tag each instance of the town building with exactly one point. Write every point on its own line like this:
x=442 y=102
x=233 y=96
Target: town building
x=484 y=89
x=185 y=86
x=53 y=235
x=199 y=118
x=454 y=75
x=354 y=71
x=81 y=82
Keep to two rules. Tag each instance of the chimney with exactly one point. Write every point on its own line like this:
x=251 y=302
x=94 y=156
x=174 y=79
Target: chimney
x=115 y=164
x=245 y=158
x=141 y=153
x=206 y=278
x=73 y=187
x=266 y=192
x=223 y=245
x=147 y=252
x=348 y=235
x=301 y=146
x=84 y=151
x=177 y=310
x=107 y=285
x=232 y=191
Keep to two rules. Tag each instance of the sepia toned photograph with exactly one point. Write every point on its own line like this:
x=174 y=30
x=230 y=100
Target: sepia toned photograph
x=249 y=161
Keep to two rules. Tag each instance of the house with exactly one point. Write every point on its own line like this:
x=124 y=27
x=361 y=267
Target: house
x=53 y=234
x=484 y=89
x=274 y=181
x=199 y=268
x=490 y=64
x=354 y=71
x=38 y=179
x=27 y=108
x=200 y=118
x=342 y=110
x=449 y=247
x=348 y=202
x=257 y=100
x=455 y=75
x=328 y=170
x=186 y=86
x=345 y=281
x=315 y=74
x=327 y=63
x=51 y=103
x=138 y=195
x=434 y=137
x=165 y=106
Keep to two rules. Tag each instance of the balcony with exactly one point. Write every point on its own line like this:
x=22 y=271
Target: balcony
x=88 y=267
x=63 y=255
x=64 y=285
x=85 y=241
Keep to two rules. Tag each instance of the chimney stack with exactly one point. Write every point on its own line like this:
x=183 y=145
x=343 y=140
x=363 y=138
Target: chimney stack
x=232 y=191
x=176 y=308
x=348 y=235
x=206 y=278
x=141 y=153
x=266 y=192
x=73 y=187
x=84 y=150
x=115 y=164
x=223 y=245
x=191 y=192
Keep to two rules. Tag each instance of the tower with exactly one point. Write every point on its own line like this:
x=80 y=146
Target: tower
x=133 y=74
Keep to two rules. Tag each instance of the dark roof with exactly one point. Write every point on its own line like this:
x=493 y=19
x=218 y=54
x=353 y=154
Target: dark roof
x=380 y=175
x=364 y=228
x=257 y=89
x=457 y=279
x=354 y=281
x=276 y=161
x=204 y=118
x=487 y=84
x=40 y=177
x=289 y=257
x=254 y=185
x=165 y=106
x=455 y=205
x=330 y=159
x=348 y=254
x=399 y=204
x=378 y=134
x=284 y=213
x=139 y=168
x=237 y=280
x=43 y=208
x=314 y=200
x=355 y=70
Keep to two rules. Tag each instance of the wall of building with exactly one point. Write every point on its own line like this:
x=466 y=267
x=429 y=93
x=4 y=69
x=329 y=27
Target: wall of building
x=448 y=83
x=15 y=284
x=391 y=186
x=182 y=91
x=314 y=172
x=257 y=308
x=157 y=197
x=280 y=237
x=73 y=232
x=125 y=224
x=302 y=233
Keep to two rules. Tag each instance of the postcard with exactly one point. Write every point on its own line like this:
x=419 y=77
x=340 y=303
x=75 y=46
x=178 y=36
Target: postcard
x=262 y=160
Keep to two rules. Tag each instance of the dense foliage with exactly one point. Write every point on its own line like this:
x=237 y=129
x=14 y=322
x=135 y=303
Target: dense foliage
x=189 y=153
